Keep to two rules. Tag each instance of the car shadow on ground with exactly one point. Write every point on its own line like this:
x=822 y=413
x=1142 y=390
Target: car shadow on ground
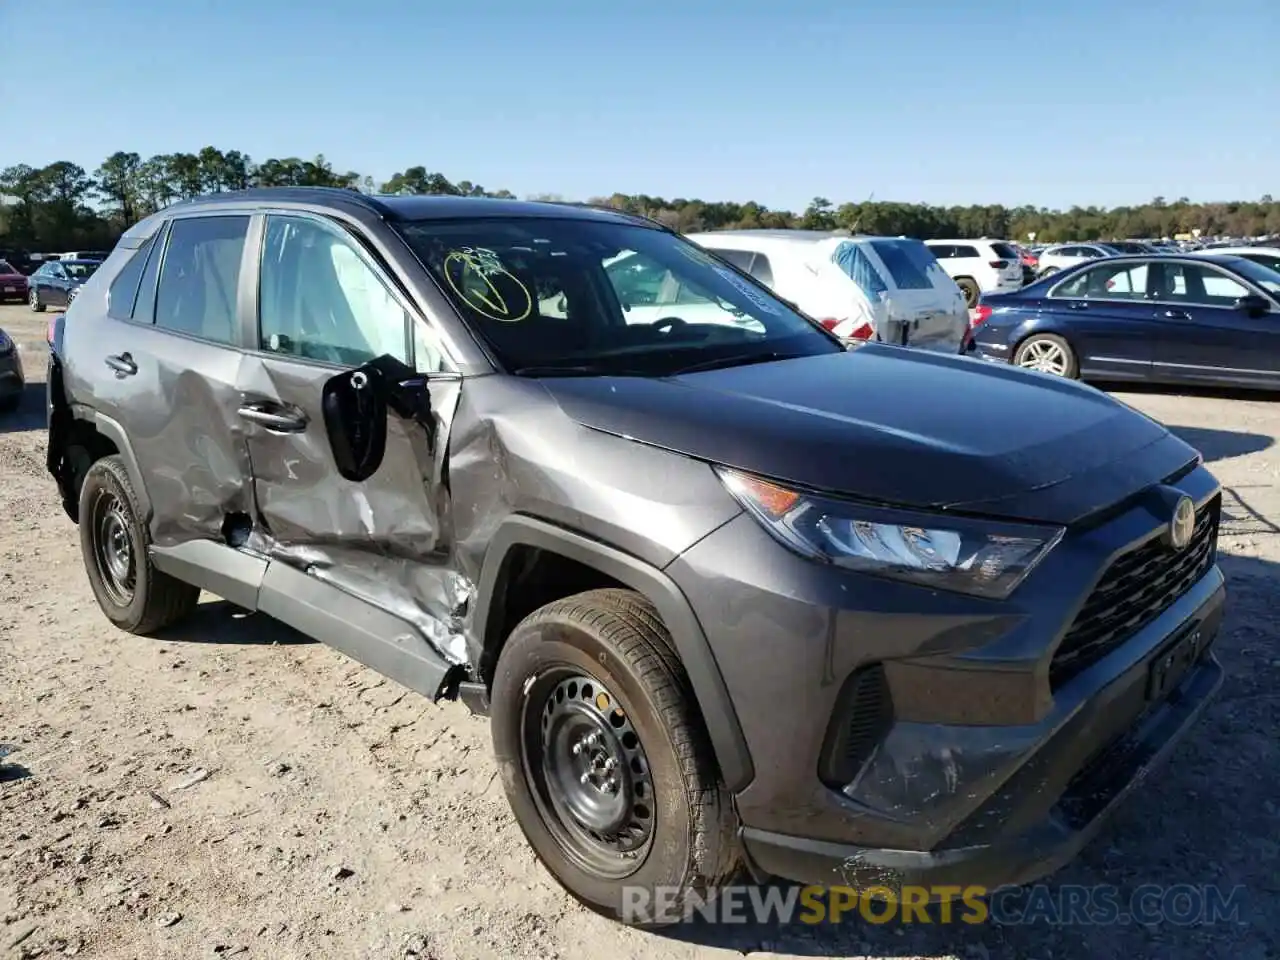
x=30 y=414
x=217 y=621
x=1185 y=390
x=1222 y=444
x=1203 y=824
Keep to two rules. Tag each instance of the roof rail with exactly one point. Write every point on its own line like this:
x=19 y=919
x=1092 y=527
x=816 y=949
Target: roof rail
x=611 y=209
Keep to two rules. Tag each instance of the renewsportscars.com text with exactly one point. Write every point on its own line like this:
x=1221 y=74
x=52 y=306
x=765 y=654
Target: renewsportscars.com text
x=1100 y=905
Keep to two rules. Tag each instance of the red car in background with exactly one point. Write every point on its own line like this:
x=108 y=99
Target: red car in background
x=13 y=285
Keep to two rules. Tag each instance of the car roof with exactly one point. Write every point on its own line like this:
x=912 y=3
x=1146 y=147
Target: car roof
x=85 y=262
x=967 y=240
x=413 y=207
x=785 y=236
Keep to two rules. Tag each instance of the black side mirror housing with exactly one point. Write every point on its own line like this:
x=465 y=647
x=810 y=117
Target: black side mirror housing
x=1253 y=305
x=355 y=418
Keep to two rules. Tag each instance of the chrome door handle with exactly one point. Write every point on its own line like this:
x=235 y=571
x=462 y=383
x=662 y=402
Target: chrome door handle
x=122 y=364
x=277 y=418
x=1177 y=315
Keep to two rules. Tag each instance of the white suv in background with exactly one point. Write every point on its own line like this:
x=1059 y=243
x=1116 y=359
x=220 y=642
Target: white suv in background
x=979 y=266
x=1063 y=255
x=889 y=289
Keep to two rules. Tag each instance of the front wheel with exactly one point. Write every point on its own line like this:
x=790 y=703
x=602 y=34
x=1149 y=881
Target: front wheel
x=33 y=298
x=605 y=761
x=114 y=541
x=1048 y=353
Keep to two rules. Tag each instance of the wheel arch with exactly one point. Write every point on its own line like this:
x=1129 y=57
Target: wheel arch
x=710 y=692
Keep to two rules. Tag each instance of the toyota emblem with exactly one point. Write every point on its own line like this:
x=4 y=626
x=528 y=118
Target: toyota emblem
x=1183 y=524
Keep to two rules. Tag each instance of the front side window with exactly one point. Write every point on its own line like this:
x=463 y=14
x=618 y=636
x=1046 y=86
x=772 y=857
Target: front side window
x=1198 y=284
x=200 y=277
x=320 y=299
x=587 y=296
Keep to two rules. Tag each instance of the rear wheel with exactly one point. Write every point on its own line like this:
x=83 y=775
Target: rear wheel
x=970 y=290
x=1048 y=272
x=1047 y=353
x=133 y=594
x=33 y=298
x=605 y=761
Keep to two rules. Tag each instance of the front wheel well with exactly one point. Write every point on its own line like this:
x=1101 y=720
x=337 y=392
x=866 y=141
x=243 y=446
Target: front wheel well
x=529 y=578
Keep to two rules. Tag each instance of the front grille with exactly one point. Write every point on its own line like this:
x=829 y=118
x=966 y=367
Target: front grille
x=1137 y=587
x=863 y=715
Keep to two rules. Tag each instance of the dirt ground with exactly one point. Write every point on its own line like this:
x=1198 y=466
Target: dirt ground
x=235 y=790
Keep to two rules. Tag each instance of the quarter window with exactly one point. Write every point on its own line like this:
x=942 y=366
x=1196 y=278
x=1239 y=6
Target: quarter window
x=739 y=258
x=123 y=293
x=320 y=299
x=200 y=277
x=762 y=270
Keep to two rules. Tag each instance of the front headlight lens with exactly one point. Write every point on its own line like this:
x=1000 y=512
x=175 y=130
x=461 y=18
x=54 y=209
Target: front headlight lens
x=5 y=343
x=985 y=559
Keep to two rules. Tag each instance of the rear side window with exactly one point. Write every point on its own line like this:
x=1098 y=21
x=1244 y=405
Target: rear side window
x=850 y=258
x=200 y=277
x=1004 y=251
x=123 y=293
x=942 y=251
x=909 y=263
x=965 y=252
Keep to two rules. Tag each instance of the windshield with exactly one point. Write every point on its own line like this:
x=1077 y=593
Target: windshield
x=1265 y=277
x=1006 y=251
x=580 y=296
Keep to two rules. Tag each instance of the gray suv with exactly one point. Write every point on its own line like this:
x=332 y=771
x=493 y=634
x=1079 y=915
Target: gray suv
x=732 y=594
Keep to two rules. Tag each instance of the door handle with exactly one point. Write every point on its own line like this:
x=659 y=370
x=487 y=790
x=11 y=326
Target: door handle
x=122 y=364
x=1177 y=315
x=275 y=417
x=1078 y=305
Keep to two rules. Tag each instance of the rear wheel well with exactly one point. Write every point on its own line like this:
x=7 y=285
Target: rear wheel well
x=82 y=447
x=529 y=578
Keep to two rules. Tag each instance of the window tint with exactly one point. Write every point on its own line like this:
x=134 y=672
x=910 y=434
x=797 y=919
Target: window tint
x=965 y=252
x=1005 y=251
x=909 y=263
x=320 y=299
x=123 y=292
x=942 y=251
x=200 y=277
x=1108 y=282
x=739 y=258
x=1198 y=285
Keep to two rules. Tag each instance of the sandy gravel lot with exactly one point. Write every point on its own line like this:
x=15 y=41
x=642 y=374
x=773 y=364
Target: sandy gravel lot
x=237 y=791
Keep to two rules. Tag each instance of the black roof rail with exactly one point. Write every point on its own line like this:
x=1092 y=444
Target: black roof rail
x=615 y=210
x=295 y=193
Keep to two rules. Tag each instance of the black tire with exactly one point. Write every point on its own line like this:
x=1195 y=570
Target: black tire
x=11 y=403
x=615 y=642
x=1047 y=272
x=970 y=290
x=33 y=298
x=141 y=599
x=1046 y=342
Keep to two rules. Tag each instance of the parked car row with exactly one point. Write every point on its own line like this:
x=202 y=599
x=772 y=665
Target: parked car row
x=1208 y=317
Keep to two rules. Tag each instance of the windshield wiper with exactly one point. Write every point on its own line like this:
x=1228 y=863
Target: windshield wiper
x=576 y=370
x=737 y=360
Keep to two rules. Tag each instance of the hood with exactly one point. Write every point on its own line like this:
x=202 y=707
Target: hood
x=897 y=426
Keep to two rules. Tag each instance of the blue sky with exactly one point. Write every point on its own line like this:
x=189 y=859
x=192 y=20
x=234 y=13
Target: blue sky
x=985 y=101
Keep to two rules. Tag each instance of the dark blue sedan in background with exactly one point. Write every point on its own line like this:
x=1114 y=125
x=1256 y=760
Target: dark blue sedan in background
x=1160 y=318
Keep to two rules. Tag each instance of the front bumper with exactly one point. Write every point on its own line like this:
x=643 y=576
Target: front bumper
x=986 y=768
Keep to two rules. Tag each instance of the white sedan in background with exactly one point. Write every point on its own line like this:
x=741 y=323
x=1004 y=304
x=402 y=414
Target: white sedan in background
x=1063 y=255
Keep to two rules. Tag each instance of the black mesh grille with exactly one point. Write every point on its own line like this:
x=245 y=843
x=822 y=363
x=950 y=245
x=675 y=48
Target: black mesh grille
x=863 y=715
x=1137 y=588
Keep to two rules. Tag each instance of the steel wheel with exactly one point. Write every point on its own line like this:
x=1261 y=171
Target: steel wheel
x=589 y=772
x=1046 y=356
x=113 y=547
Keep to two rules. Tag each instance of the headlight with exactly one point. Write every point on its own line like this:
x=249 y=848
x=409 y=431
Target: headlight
x=5 y=343
x=985 y=559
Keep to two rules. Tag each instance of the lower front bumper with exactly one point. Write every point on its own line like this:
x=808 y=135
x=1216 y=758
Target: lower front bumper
x=1030 y=854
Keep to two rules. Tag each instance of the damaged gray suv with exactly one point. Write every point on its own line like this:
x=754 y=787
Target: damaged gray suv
x=733 y=595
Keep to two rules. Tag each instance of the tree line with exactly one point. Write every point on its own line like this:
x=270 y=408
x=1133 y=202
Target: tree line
x=63 y=206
